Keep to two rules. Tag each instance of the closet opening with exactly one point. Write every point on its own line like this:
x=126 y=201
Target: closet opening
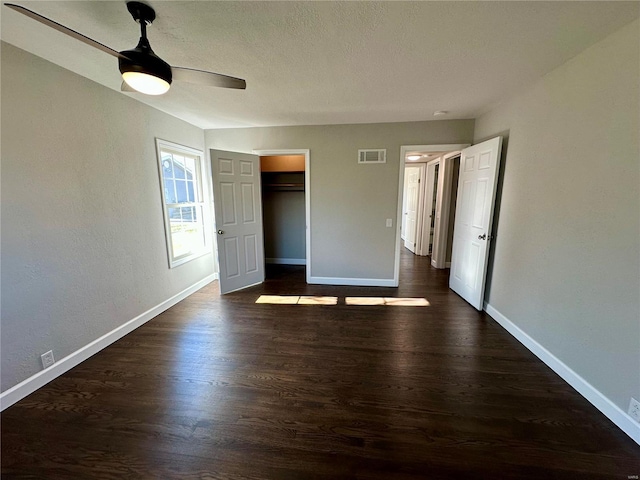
x=284 y=213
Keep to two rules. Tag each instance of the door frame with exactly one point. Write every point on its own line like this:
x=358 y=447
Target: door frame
x=404 y=150
x=307 y=194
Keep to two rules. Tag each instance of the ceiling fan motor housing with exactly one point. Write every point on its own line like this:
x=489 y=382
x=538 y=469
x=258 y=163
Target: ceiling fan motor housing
x=142 y=60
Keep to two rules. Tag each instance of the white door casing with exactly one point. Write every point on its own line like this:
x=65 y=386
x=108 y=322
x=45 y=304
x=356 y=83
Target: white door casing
x=413 y=185
x=474 y=215
x=238 y=218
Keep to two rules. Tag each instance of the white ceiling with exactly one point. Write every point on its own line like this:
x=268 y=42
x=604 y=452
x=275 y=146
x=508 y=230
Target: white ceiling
x=330 y=62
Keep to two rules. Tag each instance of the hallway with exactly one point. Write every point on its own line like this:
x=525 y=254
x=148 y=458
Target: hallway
x=221 y=387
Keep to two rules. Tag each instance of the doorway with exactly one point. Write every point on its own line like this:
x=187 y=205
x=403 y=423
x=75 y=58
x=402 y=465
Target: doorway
x=283 y=212
x=472 y=223
x=286 y=210
x=433 y=235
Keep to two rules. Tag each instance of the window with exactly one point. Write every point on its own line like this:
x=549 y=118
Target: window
x=183 y=201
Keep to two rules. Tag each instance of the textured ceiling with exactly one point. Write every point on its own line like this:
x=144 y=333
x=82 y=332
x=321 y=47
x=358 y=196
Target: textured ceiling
x=329 y=62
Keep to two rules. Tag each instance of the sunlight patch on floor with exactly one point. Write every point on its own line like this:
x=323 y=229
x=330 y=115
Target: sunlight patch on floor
x=406 y=302
x=279 y=299
x=389 y=301
x=311 y=300
x=296 y=300
x=318 y=301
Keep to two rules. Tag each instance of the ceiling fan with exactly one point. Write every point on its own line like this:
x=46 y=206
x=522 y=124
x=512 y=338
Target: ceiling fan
x=142 y=70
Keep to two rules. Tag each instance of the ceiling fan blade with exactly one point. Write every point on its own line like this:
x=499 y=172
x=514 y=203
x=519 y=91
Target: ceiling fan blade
x=65 y=30
x=210 y=79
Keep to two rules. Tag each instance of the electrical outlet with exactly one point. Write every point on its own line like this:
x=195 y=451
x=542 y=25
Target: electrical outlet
x=634 y=409
x=47 y=359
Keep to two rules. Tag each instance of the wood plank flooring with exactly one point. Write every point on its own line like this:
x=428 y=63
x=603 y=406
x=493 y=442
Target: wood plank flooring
x=224 y=388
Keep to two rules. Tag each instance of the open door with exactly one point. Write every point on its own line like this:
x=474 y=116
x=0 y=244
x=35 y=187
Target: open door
x=474 y=214
x=238 y=215
x=412 y=192
x=430 y=209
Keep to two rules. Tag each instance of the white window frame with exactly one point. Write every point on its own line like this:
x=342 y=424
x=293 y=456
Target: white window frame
x=202 y=200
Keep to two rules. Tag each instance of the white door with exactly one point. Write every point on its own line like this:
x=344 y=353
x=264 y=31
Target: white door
x=430 y=208
x=411 y=223
x=474 y=214
x=403 y=230
x=238 y=213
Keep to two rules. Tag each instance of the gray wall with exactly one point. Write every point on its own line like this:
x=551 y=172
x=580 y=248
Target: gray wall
x=284 y=224
x=349 y=202
x=566 y=263
x=83 y=245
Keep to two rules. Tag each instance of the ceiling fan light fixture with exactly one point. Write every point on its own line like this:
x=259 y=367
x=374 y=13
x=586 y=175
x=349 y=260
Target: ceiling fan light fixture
x=145 y=83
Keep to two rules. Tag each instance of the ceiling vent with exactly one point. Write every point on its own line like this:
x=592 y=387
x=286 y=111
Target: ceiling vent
x=372 y=156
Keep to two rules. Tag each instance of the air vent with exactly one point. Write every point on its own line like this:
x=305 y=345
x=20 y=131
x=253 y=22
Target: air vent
x=372 y=156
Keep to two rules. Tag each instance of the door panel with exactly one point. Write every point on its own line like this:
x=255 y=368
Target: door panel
x=251 y=253
x=228 y=204
x=479 y=205
x=238 y=212
x=231 y=257
x=248 y=202
x=474 y=216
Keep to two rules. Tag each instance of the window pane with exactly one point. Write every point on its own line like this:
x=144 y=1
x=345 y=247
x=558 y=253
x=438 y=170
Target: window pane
x=178 y=166
x=190 y=192
x=188 y=234
x=190 y=168
x=169 y=191
x=188 y=215
x=181 y=191
x=167 y=165
x=174 y=216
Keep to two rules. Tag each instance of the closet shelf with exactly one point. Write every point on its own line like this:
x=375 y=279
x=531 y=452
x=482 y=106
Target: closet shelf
x=271 y=185
x=284 y=187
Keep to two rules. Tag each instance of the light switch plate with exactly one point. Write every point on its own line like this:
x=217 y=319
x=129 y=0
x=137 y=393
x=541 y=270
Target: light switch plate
x=389 y=222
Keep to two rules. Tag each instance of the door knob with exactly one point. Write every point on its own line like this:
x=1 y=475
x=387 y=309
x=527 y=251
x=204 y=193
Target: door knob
x=220 y=232
x=482 y=237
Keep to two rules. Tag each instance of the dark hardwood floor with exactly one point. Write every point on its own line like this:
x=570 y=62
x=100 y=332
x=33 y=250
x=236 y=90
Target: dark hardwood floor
x=227 y=389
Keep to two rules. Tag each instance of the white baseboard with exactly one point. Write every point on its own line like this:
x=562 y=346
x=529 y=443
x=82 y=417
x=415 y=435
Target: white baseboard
x=624 y=421
x=287 y=261
x=359 y=282
x=31 y=384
